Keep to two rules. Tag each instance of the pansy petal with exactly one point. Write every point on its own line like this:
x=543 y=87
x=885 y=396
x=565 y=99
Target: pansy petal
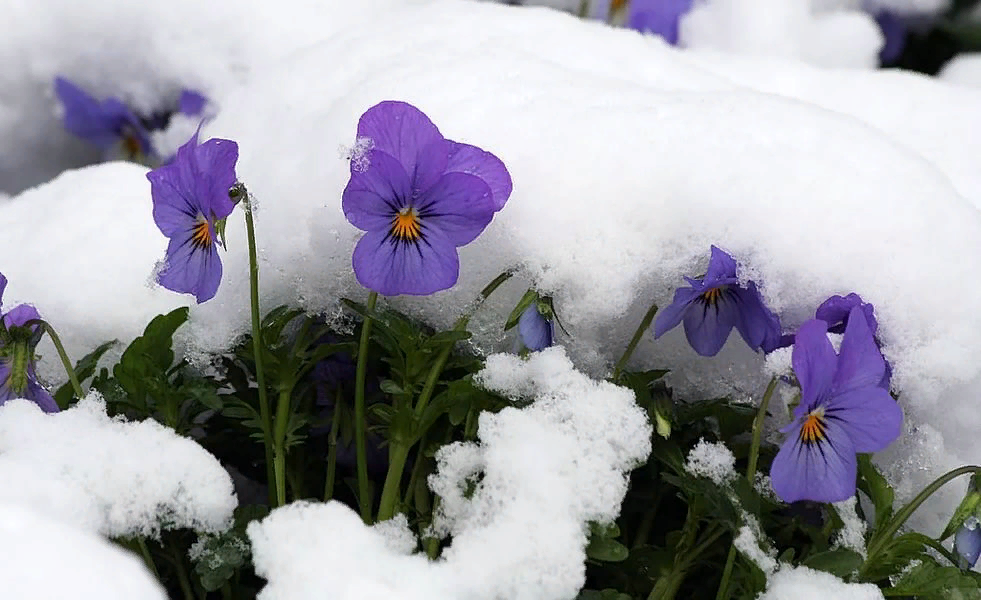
x=19 y=315
x=216 y=160
x=83 y=115
x=814 y=361
x=173 y=210
x=894 y=31
x=373 y=195
x=474 y=161
x=391 y=267
x=658 y=16
x=537 y=332
x=820 y=471
x=3 y=286
x=860 y=363
x=191 y=103
x=399 y=130
x=721 y=269
x=756 y=323
x=40 y=396
x=870 y=417
x=669 y=317
x=190 y=269
x=124 y=122
x=708 y=327
x=459 y=205
x=967 y=544
x=835 y=311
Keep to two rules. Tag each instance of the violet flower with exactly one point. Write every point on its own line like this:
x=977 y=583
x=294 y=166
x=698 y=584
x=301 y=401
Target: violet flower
x=842 y=411
x=894 y=31
x=18 y=375
x=109 y=125
x=190 y=197
x=967 y=543
x=834 y=311
x=536 y=329
x=191 y=103
x=712 y=305
x=660 y=17
x=418 y=197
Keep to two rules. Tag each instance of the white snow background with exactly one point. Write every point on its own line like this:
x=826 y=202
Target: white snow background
x=629 y=158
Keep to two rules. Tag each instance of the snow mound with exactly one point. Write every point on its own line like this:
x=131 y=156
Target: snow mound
x=802 y=583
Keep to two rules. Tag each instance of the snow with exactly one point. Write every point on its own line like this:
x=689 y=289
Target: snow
x=570 y=451
x=963 y=69
x=76 y=564
x=852 y=534
x=107 y=475
x=802 y=583
x=712 y=460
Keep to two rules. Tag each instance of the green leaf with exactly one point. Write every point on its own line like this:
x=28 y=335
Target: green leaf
x=606 y=550
x=448 y=337
x=84 y=369
x=840 y=563
x=894 y=558
x=967 y=508
x=932 y=581
x=875 y=486
x=526 y=301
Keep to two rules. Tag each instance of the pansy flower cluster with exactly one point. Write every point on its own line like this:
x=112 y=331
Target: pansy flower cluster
x=113 y=127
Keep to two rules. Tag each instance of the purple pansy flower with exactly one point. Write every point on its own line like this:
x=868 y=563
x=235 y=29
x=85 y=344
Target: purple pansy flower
x=191 y=103
x=18 y=375
x=842 y=411
x=190 y=196
x=660 y=17
x=109 y=125
x=716 y=303
x=536 y=331
x=894 y=31
x=834 y=311
x=418 y=196
x=967 y=543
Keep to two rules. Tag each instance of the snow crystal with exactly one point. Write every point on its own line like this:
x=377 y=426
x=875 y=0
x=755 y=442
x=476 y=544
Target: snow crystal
x=802 y=583
x=43 y=558
x=546 y=470
x=712 y=460
x=778 y=363
x=747 y=541
x=963 y=69
x=107 y=475
x=397 y=533
x=852 y=534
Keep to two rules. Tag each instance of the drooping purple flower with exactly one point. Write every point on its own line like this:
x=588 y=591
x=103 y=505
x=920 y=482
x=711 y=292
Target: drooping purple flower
x=660 y=17
x=967 y=543
x=712 y=305
x=842 y=411
x=18 y=376
x=109 y=125
x=190 y=196
x=894 y=31
x=835 y=310
x=535 y=329
x=418 y=197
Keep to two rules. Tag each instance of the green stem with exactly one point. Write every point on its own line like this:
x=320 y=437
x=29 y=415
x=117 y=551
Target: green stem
x=279 y=441
x=936 y=545
x=397 y=455
x=76 y=386
x=147 y=557
x=332 y=448
x=416 y=469
x=754 y=449
x=646 y=522
x=667 y=587
x=723 y=592
x=182 y=574
x=884 y=536
x=364 y=493
x=226 y=591
x=260 y=376
x=638 y=335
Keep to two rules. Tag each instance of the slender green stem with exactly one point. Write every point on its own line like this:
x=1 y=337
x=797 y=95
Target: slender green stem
x=260 y=375
x=883 y=537
x=723 y=592
x=76 y=386
x=279 y=441
x=416 y=468
x=364 y=492
x=182 y=573
x=667 y=587
x=754 y=449
x=397 y=455
x=332 y=448
x=936 y=545
x=638 y=335
x=646 y=522
x=147 y=557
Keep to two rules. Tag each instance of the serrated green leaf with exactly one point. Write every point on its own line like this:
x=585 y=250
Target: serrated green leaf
x=84 y=369
x=606 y=550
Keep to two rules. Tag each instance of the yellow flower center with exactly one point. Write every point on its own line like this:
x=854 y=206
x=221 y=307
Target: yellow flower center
x=813 y=430
x=201 y=234
x=131 y=146
x=406 y=225
x=712 y=295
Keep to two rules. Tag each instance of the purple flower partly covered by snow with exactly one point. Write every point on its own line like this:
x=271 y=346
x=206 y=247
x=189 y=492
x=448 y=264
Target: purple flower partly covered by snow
x=660 y=17
x=894 y=31
x=712 y=305
x=536 y=330
x=109 y=125
x=18 y=376
x=418 y=196
x=967 y=543
x=190 y=197
x=842 y=411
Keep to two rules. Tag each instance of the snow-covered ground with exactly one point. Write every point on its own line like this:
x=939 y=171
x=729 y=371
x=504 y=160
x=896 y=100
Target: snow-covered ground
x=629 y=158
